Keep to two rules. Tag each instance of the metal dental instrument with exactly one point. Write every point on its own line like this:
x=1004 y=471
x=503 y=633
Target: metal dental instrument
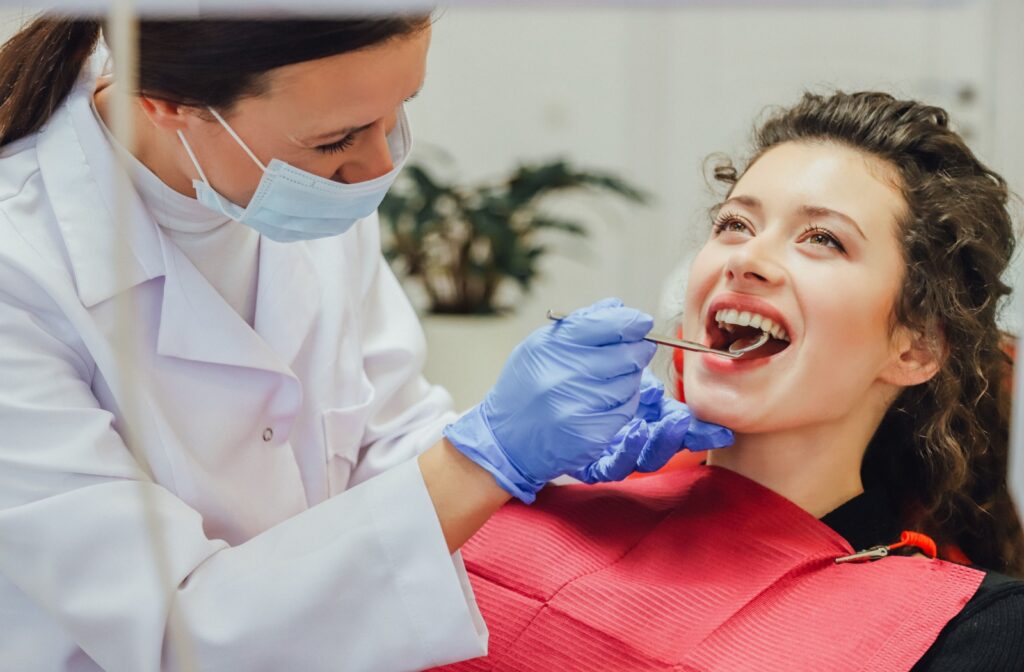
x=732 y=353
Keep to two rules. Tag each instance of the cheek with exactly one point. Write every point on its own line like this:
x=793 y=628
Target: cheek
x=326 y=166
x=849 y=325
x=231 y=171
x=320 y=164
x=704 y=273
x=846 y=346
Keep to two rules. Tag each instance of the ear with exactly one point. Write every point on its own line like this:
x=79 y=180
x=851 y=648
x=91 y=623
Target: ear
x=165 y=115
x=916 y=357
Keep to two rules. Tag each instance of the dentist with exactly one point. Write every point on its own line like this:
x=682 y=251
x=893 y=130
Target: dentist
x=279 y=487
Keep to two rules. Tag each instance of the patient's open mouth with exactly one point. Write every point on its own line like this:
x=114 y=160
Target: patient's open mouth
x=744 y=327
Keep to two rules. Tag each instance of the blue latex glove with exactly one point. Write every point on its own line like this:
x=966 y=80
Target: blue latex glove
x=561 y=398
x=661 y=428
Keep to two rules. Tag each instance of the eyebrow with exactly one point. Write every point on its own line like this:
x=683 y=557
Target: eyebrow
x=812 y=211
x=348 y=130
x=316 y=139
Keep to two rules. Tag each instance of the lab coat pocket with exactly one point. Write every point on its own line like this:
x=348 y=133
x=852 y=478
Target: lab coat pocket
x=343 y=438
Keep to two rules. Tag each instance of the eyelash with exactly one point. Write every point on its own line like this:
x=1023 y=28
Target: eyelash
x=338 y=146
x=725 y=219
x=813 y=230
x=346 y=142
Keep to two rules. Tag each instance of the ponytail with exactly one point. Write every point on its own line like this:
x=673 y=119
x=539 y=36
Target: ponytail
x=38 y=67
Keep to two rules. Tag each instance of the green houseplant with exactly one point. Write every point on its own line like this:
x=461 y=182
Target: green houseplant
x=463 y=242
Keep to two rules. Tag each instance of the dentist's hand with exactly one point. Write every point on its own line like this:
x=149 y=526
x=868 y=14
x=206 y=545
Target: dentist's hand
x=563 y=395
x=661 y=428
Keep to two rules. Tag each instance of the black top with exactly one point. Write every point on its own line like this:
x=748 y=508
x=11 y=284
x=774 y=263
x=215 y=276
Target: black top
x=986 y=636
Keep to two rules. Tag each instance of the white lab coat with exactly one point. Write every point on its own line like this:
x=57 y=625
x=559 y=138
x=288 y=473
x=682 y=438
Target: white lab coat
x=293 y=530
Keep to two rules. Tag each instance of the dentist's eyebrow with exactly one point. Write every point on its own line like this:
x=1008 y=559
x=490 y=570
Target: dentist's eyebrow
x=316 y=139
x=818 y=212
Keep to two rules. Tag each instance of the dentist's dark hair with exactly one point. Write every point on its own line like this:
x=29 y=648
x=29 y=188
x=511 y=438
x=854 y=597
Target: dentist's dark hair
x=196 y=63
x=941 y=449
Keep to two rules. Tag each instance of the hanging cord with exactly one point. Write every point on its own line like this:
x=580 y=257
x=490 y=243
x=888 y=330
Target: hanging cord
x=922 y=542
x=123 y=35
x=917 y=540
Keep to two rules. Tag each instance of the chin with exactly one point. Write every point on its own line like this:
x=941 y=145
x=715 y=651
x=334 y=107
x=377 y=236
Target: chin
x=735 y=414
x=745 y=410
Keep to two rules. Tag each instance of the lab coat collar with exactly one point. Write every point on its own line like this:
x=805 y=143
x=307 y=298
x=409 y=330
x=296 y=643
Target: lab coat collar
x=288 y=298
x=197 y=324
x=79 y=169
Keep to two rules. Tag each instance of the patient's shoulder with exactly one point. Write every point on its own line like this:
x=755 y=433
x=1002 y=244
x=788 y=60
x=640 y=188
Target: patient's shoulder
x=988 y=634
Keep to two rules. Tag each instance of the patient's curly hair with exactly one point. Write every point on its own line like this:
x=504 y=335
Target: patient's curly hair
x=941 y=449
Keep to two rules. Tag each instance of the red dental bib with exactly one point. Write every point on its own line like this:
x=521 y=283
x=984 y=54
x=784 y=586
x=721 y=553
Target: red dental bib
x=700 y=569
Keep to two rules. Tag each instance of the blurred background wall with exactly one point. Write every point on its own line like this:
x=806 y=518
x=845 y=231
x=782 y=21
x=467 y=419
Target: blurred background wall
x=649 y=93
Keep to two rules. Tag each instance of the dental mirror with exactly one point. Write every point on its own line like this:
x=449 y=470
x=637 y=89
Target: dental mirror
x=732 y=353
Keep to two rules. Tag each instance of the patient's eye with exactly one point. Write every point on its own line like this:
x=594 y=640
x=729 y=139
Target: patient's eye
x=726 y=222
x=817 y=235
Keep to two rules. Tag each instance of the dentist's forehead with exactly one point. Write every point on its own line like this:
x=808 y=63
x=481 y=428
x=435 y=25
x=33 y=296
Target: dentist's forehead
x=347 y=91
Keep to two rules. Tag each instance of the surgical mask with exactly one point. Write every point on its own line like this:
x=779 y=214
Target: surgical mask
x=293 y=204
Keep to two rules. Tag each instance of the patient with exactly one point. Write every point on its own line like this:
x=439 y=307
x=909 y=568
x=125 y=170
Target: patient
x=870 y=242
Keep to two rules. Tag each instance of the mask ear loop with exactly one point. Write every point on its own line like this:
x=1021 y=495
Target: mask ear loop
x=199 y=168
x=192 y=157
x=202 y=175
x=237 y=139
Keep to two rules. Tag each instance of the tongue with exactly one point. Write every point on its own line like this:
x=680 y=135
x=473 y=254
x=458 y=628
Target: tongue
x=773 y=346
x=748 y=336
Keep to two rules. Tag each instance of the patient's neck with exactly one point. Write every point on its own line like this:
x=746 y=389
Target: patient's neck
x=817 y=468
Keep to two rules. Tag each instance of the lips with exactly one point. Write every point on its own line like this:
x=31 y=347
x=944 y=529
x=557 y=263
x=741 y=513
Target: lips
x=746 y=316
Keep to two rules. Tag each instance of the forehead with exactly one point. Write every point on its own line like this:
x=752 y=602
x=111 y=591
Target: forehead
x=792 y=175
x=354 y=88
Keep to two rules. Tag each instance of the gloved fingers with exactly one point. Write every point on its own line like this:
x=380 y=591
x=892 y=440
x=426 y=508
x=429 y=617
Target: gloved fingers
x=621 y=393
x=667 y=439
x=704 y=436
x=700 y=435
x=666 y=406
x=621 y=459
x=604 y=326
x=610 y=302
x=651 y=389
x=611 y=361
x=652 y=393
x=601 y=411
x=649 y=412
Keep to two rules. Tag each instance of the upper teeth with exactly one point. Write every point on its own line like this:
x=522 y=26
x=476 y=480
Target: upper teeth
x=727 y=318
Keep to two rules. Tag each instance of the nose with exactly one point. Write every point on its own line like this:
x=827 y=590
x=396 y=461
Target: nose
x=753 y=265
x=369 y=158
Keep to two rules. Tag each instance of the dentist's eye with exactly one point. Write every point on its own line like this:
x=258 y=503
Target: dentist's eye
x=338 y=146
x=726 y=222
x=817 y=235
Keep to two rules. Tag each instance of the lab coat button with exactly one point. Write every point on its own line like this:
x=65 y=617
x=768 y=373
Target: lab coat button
x=268 y=434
